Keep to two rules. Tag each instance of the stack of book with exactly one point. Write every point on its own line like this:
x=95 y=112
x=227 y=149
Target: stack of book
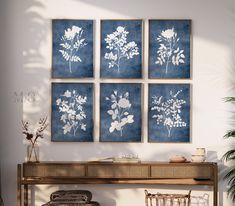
x=71 y=198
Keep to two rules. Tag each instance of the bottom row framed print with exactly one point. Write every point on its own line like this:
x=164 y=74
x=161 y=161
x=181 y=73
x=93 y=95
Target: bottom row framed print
x=120 y=112
x=72 y=112
x=169 y=113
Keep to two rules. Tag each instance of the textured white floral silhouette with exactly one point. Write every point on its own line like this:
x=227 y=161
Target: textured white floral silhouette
x=72 y=42
x=168 y=112
x=73 y=116
x=119 y=47
x=119 y=111
x=169 y=51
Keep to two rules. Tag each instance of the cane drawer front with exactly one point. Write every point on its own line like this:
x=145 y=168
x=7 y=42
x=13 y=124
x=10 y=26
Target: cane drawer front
x=53 y=170
x=117 y=171
x=197 y=172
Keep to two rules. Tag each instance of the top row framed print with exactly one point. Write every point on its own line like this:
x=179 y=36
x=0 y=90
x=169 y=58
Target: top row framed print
x=72 y=49
x=169 y=48
x=121 y=46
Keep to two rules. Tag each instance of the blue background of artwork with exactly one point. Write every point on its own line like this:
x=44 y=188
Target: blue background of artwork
x=60 y=67
x=129 y=68
x=183 y=29
x=131 y=132
x=158 y=133
x=84 y=89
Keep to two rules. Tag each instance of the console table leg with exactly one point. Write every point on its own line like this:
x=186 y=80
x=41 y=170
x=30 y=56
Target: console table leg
x=25 y=195
x=215 y=186
x=19 y=192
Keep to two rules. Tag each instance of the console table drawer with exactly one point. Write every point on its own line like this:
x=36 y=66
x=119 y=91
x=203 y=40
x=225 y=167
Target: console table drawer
x=118 y=171
x=34 y=170
x=200 y=172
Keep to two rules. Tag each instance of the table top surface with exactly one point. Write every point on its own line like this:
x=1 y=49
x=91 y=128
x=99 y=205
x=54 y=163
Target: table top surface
x=117 y=163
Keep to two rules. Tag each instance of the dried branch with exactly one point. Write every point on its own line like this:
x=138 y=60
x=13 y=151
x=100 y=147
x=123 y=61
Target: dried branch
x=39 y=132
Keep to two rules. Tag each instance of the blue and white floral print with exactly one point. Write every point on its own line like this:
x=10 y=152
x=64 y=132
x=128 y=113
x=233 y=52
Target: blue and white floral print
x=72 y=51
x=169 y=112
x=72 y=112
x=70 y=106
x=169 y=48
x=121 y=48
x=120 y=112
x=169 y=51
x=72 y=42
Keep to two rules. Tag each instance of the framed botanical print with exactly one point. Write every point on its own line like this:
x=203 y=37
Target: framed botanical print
x=121 y=48
x=169 y=48
x=72 y=112
x=72 y=48
x=120 y=112
x=169 y=113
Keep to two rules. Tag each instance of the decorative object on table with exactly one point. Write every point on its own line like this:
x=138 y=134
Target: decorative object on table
x=71 y=197
x=169 y=113
x=121 y=48
x=229 y=156
x=177 y=158
x=120 y=112
x=127 y=158
x=198 y=158
x=169 y=48
x=32 y=137
x=72 y=112
x=72 y=50
x=167 y=199
x=199 y=155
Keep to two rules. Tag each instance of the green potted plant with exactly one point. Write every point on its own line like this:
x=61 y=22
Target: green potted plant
x=230 y=156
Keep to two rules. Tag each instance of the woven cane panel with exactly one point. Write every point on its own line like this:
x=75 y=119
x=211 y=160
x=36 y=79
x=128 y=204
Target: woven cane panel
x=53 y=171
x=201 y=172
x=107 y=171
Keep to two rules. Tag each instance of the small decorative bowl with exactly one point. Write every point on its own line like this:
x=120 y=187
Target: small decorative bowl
x=177 y=158
x=198 y=158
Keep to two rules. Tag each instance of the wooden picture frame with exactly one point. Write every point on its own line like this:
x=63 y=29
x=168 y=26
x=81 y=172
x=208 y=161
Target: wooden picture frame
x=170 y=48
x=121 y=48
x=120 y=112
x=72 y=48
x=169 y=114
x=72 y=112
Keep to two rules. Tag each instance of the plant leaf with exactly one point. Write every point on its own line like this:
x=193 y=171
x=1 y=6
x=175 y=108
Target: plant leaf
x=230 y=133
x=229 y=155
x=229 y=99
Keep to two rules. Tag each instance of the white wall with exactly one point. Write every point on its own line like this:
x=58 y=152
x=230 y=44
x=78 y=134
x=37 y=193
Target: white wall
x=25 y=67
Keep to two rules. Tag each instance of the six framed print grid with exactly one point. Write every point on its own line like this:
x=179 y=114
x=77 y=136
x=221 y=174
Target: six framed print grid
x=120 y=103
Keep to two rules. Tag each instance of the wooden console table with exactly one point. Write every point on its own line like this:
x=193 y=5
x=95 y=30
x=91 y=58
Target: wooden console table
x=162 y=173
